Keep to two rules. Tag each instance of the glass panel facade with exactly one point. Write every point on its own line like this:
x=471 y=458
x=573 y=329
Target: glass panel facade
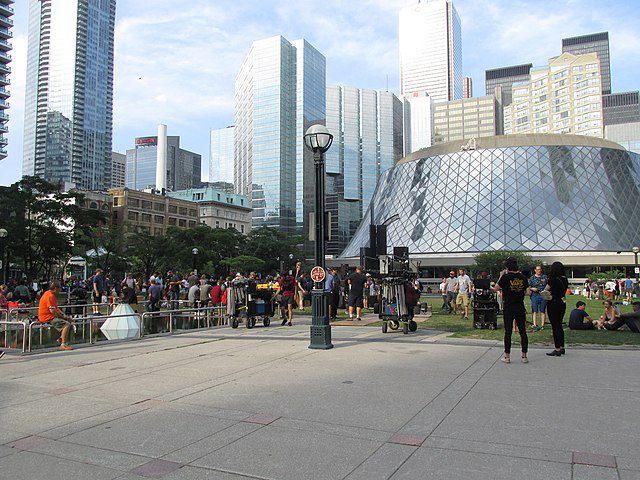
x=70 y=89
x=533 y=198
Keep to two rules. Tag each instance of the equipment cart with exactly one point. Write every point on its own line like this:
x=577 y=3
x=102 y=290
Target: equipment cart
x=249 y=302
x=393 y=308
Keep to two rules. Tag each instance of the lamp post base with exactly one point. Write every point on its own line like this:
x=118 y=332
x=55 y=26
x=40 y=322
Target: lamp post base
x=320 y=327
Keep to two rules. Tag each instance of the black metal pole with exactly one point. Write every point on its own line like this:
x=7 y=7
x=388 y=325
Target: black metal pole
x=320 y=328
x=636 y=271
x=3 y=278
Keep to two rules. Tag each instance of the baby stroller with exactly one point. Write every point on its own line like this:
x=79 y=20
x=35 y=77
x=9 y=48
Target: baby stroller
x=485 y=305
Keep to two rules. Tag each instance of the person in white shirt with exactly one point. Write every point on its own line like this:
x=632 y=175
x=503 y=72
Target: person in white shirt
x=463 y=289
x=610 y=288
x=443 y=292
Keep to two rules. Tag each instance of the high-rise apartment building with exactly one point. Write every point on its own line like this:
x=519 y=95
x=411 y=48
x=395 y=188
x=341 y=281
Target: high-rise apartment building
x=221 y=155
x=565 y=97
x=467 y=87
x=430 y=38
x=183 y=169
x=118 y=170
x=504 y=78
x=467 y=118
x=69 y=92
x=6 y=24
x=621 y=108
x=279 y=92
x=597 y=43
x=367 y=128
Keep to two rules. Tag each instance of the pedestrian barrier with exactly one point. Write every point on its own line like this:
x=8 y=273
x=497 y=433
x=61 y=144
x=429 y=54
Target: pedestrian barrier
x=86 y=328
x=8 y=332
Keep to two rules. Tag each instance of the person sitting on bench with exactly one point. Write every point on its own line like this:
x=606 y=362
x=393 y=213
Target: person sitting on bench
x=630 y=319
x=577 y=317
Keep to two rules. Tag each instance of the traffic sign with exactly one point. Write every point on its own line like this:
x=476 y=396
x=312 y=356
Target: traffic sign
x=317 y=274
x=637 y=269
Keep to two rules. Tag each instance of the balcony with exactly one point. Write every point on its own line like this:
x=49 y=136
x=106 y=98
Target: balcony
x=5 y=21
x=4 y=80
x=6 y=10
x=5 y=33
x=4 y=103
x=4 y=93
x=5 y=46
x=5 y=56
x=3 y=128
x=3 y=140
x=4 y=116
x=4 y=68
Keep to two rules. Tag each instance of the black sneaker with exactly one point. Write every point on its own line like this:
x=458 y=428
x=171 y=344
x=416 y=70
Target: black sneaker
x=358 y=319
x=284 y=322
x=1 y=354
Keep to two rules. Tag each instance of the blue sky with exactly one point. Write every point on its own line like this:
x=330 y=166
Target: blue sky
x=176 y=59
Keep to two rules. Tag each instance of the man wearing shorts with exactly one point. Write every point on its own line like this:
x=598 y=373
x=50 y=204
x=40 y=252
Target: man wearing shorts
x=537 y=283
x=463 y=289
x=357 y=281
x=49 y=312
x=287 y=289
x=98 y=288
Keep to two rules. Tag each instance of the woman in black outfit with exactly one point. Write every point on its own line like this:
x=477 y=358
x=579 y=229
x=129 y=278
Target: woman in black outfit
x=556 y=307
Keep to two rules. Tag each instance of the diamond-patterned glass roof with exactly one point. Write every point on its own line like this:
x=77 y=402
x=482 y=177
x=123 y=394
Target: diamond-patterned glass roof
x=532 y=198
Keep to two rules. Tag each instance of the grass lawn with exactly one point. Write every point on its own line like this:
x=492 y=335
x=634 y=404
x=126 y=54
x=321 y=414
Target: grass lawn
x=463 y=329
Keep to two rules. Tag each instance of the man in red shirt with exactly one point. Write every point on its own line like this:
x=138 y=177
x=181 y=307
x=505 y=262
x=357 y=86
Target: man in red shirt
x=49 y=312
x=287 y=287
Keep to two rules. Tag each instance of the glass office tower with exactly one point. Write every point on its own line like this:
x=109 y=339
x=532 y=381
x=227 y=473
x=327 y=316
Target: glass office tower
x=221 y=155
x=69 y=92
x=367 y=127
x=279 y=92
x=183 y=166
x=430 y=38
x=6 y=24
x=593 y=43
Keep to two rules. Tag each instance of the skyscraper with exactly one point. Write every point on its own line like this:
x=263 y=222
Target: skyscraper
x=593 y=43
x=467 y=87
x=6 y=12
x=418 y=119
x=69 y=92
x=430 y=37
x=118 y=170
x=183 y=167
x=221 y=155
x=367 y=128
x=504 y=78
x=279 y=91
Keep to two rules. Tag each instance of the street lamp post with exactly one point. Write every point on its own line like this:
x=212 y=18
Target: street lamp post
x=3 y=267
x=318 y=139
x=635 y=251
x=194 y=253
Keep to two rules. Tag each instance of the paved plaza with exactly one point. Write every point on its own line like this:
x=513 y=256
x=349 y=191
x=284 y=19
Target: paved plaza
x=258 y=404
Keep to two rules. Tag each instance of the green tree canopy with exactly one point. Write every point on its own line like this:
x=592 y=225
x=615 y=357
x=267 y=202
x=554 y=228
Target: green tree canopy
x=493 y=262
x=244 y=264
x=272 y=246
x=40 y=221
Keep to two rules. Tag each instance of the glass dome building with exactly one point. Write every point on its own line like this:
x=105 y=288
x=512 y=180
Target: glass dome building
x=536 y=193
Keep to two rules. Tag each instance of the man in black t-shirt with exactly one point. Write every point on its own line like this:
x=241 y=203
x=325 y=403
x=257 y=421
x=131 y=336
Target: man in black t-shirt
x=514 y=286
x=357 y=282
x=577 y=317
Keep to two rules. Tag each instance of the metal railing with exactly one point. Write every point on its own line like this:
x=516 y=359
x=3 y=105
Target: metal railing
x=5 y=327
x=85 y=327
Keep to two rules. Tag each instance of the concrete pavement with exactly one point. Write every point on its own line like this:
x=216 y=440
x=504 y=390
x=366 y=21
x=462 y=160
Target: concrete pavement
x=258 y=404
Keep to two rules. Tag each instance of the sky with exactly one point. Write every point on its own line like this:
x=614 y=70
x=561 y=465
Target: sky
x=176 y=60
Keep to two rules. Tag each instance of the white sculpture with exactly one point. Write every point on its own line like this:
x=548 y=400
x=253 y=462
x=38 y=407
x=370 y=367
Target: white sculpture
x=117 y=327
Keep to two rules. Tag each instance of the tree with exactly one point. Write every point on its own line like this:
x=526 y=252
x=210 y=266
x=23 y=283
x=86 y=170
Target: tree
x=146 y=252
x=270 y=244
x=40 y=221
x=244 y=263
x=104 y=244
x=493 y=262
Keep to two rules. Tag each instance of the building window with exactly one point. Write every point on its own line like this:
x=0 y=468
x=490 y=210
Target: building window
x=158 y=207
x=217 y=224
x=172 y=221
x=158 y=219
x=173 y=209
x=192 y=223
x=133 y=202
x=146 y=218
x=146 y=204
x=182 y=210
x=193 y=212
x=182 y=222
x=133 y=216
x=241 y=228
x=116 y=200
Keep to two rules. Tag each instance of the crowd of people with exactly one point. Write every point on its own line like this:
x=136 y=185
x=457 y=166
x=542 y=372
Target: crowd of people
x=355 y=292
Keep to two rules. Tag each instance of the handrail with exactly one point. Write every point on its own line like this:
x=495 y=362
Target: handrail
x=207 y=310
x=24 y=336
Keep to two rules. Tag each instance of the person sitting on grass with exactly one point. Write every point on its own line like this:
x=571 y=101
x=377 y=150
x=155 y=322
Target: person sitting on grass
x=577 y=317
x=609 y=316
x=630 y=319
x=49 y=312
